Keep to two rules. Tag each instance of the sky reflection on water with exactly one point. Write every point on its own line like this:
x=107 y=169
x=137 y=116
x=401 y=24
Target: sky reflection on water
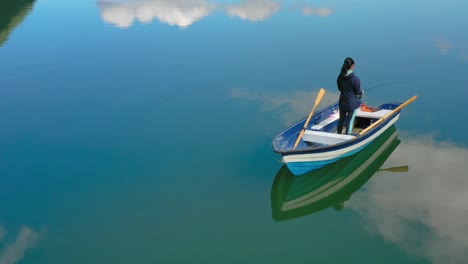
x=14 y=243
x=92 y=109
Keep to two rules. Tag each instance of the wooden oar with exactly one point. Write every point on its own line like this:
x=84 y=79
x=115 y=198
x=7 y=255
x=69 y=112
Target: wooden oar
x=396 y=169
x=317 y=101
x=389 y=114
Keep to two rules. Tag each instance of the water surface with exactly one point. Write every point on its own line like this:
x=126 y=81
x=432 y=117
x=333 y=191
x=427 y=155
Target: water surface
x=140 y=131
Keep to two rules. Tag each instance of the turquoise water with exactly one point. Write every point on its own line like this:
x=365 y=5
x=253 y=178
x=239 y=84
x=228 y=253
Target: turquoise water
x=140 y=131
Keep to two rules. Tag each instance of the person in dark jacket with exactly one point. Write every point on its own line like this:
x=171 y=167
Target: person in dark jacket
x=350 y=93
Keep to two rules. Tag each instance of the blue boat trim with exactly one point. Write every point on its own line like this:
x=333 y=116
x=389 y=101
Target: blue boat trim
x=299 y=168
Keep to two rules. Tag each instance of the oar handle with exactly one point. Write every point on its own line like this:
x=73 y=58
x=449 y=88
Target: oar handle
x=409 y=101
x=317 y=101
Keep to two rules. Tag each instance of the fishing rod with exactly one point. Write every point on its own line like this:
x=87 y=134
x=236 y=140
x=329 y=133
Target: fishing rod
x=368 y=90
x=374 y=87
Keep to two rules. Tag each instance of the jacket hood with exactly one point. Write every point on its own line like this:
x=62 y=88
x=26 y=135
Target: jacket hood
x=348 y=76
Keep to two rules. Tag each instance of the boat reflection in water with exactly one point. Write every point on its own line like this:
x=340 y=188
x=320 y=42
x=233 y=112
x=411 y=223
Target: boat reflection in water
x=295 y=196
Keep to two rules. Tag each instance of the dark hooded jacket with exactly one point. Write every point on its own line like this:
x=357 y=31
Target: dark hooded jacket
x=350 y=87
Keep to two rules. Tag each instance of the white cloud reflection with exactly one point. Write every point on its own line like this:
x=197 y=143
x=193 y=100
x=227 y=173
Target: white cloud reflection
x=299 y=102
x=3 y=233
x=180 y=13
x=424 y=211
x=463 y=54
x=323 y=12
x=183 y=13
x=14 y=252
x=443 y=45
x=254 y=10
x=308 y=10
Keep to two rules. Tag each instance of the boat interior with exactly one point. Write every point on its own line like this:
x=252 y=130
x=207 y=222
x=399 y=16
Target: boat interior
x=321 y=130
x=324 y=133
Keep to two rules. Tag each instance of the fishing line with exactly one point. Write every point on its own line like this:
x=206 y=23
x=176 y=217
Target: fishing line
x=370 y=89
x=374 y=87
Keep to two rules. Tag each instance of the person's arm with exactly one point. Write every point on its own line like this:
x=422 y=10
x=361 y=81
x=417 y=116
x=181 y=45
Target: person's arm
x=357 y=87
x=338 y=84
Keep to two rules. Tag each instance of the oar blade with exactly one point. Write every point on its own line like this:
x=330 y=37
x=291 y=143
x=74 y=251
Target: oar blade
x=396 y=169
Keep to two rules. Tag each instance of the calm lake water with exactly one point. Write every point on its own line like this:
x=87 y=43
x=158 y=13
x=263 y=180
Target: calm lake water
x=140 y=131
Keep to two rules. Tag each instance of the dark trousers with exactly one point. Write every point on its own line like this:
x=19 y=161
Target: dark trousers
x=347 y=120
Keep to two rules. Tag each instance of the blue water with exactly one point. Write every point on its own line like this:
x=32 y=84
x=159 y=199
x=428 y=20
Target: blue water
x=140 y=131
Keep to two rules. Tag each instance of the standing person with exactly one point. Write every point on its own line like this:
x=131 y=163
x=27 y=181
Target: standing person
x=350 y=93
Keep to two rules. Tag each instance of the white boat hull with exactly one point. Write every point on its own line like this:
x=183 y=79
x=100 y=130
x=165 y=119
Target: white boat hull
x=302 y=163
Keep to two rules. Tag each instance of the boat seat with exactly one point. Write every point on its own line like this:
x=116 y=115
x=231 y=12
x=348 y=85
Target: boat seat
x=332 y=118
x=377 y=114
x=325 y=137
x=335 y=116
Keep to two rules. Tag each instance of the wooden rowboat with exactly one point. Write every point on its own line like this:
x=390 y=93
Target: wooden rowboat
x=332 y=185
x=317 y=142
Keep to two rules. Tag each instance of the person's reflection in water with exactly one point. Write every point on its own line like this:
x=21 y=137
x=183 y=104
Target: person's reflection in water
x=338 y=206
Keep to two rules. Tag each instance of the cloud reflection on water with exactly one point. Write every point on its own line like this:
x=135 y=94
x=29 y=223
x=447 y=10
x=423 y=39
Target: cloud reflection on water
x=323 y=12
x=254 y=10
x=443 y=45
x=299 y=102
x=14 y=252
x=180 y=13
x=424 y=211
x=3 y=233
x=463 y=54
x=308 y=10
x=184 y=13
x=446 y=47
